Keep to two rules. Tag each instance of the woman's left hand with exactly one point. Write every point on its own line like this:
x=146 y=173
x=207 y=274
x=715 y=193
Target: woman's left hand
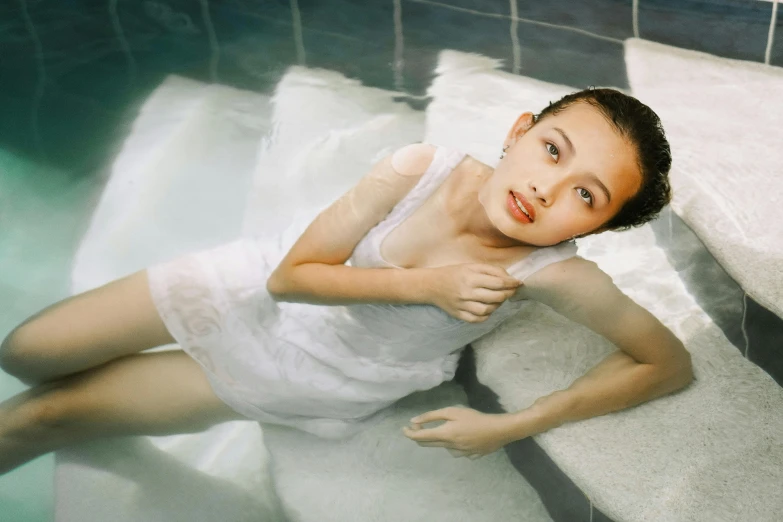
x=466 y=432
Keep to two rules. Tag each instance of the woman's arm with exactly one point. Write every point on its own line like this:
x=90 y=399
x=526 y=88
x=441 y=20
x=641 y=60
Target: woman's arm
x=651 y=362
x=314 y=270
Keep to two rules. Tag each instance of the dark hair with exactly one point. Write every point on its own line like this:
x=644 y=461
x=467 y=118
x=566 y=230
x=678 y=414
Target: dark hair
x=637 y=123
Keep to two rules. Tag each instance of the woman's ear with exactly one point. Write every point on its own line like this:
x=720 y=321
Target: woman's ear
x=523 y=124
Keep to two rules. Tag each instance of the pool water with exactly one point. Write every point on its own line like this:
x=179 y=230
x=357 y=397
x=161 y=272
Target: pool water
x=74 y=73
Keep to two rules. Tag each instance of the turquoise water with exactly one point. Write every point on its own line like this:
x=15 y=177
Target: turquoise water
x=43 y=213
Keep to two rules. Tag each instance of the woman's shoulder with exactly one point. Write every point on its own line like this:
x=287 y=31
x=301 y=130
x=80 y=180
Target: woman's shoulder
x=568 y=282
x=565 y=270
x=540 y=258
x=413 y=159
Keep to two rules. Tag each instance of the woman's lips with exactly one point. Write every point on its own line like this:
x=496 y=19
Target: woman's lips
x=520 y=216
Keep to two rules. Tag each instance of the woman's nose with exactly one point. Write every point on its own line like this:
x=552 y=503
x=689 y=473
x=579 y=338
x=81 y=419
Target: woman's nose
x=543 y=191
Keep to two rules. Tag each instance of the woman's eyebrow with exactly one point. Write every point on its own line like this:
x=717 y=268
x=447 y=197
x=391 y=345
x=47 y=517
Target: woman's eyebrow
x=568 y=141
x=601 y=185
x=590 y=174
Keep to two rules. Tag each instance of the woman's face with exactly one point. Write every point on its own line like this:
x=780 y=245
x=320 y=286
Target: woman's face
x=571 y=172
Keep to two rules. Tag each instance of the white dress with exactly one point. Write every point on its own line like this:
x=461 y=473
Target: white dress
x=328 y=370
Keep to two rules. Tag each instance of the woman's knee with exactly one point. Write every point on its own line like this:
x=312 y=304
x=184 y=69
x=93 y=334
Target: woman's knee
x=84 y=331
x=16 y=352
x=25 y=355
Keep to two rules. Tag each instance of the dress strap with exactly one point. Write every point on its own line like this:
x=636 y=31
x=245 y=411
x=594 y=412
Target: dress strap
x=450 y=157
x=443 y=162
x=541 y=258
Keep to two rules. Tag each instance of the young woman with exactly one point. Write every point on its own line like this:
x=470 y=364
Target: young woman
x=428 y=252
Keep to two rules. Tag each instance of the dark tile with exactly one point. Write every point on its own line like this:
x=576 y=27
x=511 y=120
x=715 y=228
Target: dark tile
x=499 y=7
x=90 y=54
x=429 y=29
x=44 y=48
x=76 y=133
x=260 y=41
x=333 y=40
x=765 y=339
x=17 y=128
x=21 y=79
x=571 y=58
x=435 y=27
x=166 y=38
x=183 y=18
x=547 y=53
x=256 y=43
x=729 y=28
x=72 y=39
x=610 y=18
x=18 y=67
x=564 y=501
x=750 y=327
x=711 y=286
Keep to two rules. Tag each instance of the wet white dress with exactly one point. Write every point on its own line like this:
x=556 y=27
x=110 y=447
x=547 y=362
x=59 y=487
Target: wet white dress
x=328 y=370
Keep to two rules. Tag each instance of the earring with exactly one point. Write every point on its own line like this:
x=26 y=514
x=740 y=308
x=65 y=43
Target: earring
x=503 y=154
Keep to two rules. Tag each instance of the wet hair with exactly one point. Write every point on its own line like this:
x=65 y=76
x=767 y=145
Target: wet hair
x=638 y=124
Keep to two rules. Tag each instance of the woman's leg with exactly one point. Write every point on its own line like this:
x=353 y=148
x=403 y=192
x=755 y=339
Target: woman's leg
x=146 y=394
x=84 y=350
x=84 y=331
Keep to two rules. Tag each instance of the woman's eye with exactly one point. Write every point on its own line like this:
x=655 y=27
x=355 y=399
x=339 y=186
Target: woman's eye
x=552 y=149
x=585 y=195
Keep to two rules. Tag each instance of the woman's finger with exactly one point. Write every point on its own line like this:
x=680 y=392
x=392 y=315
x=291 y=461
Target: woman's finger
x=480 y=309
x=469 y=317
x=494 y=282
x=458 y=453
x=483 y=295
x=433 y=444
x=496 y=271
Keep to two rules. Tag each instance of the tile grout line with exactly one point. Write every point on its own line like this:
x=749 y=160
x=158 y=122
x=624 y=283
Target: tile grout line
x=515 y=48
x=40 y=86
x=277 y=21
x=117 y=26
x=744 y=318
x=214 y=47
x=636 y=18
x=399 y=47
x=296 y=17
x=771 y=35
x=523 y=20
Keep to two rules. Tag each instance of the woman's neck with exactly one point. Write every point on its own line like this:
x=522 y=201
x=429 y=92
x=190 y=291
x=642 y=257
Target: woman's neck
x=468 y=217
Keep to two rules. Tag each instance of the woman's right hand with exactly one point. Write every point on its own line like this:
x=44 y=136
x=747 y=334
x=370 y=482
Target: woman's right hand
x=470 y=292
